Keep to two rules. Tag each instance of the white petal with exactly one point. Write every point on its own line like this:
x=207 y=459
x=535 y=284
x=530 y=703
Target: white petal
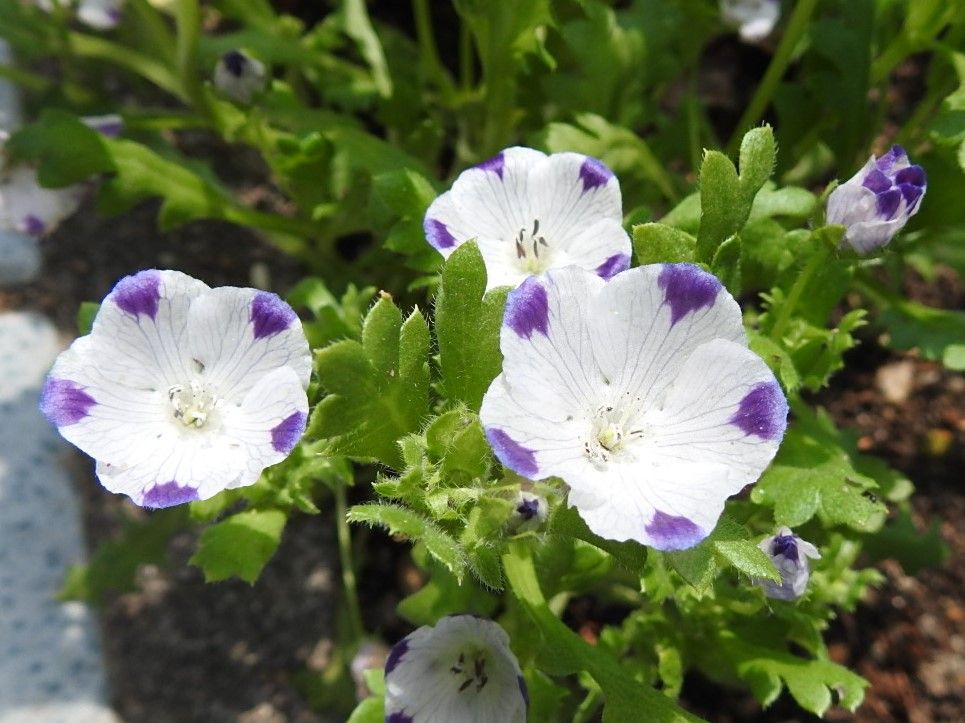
x=868 y=237
x=100 y=14
x=27 y=207
x=239 y=335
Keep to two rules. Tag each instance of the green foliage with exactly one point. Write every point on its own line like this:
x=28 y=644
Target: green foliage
x=937 y=333
x=377 y=388
x=658 y=243
x=239 y=546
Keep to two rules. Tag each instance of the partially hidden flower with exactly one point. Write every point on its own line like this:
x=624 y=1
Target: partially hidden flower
x=754 y=19
x=459 y=671
x=790 y=554
x=529 y=212
x=640 y=393
x=181 y=391
x=97 y=14
x=239 y=76
x=32 y=209
x=529 y=511
x=876 y=203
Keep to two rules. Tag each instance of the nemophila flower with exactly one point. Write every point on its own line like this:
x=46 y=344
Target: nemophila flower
x=640 y=393
x=754 y=19
x=530 y=212
x=181 y=391
x=239 y=76
x=98 y=14
x=876 y=203
x=460 y=671
x=790 y=554
x=529 y=512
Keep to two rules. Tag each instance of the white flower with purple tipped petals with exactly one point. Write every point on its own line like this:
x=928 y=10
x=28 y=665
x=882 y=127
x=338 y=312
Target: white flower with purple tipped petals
x=876 y=203
x=459 y=671
x=640 y=393
x=530 y=212
x=181 y=391
x=239 y=76
x=754 y=19
x=790 y=554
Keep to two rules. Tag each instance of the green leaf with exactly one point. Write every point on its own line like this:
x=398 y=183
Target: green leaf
x=901 y=540
x=65 y=149
x=631 y=555
x=370 y=710
x=758 y=154
x=748 y=558
x=240 y=546
x=814 y=474
x=114 y=564
x=720 y=204
x=939 y=334
x=85 y=316
x=378 y=390
x=726 y=264
x=402 y=521
x=356 y=23
x=468 y=321
x=655 y=243
x=443 y=595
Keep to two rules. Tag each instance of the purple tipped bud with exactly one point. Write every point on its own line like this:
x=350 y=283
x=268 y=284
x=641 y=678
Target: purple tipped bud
x=877 y=202
x=530 y=511
x=790 y=554
x=239 y=76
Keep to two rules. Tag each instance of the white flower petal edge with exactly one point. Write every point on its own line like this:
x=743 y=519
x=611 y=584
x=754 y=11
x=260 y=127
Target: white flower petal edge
x=639 y=393
x=29 y=208
x=755 y=19
x=181 y=391
x=790 y=554
x=460 y=671
x=530 y=212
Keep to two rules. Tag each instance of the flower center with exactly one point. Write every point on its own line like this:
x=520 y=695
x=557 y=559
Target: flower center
x=609 y=435
x=192 y=403
x=532 y=250
x=470 y=670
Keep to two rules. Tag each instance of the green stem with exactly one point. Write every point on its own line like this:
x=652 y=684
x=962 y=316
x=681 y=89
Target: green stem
x=465 y=55
x=427 y=47
x=348 y=568
x=796 y=27
x=590 y=705
x=794 y=295
x=91 y=46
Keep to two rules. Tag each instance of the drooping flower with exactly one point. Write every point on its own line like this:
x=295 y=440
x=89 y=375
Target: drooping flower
x=459 y=671
x=790 y=554
x=754 y=19
x=239 y=76
x=181 y=391
x=530 y=212
x=97 y=14
x=876 y=203
x=640 y=393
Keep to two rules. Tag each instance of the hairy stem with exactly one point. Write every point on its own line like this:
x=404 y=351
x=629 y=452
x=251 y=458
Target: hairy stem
x=348 y=568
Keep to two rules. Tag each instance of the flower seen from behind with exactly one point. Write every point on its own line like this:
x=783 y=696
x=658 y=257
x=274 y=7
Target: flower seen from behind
x=754 y=19
x=640 y=393
x=459 y=671
x=530 y=212
x=876 y=203
x=790 y=554
x=181 y=391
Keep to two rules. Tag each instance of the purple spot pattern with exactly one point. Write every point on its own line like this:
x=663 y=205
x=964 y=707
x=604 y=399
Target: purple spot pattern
x=437 y=234
x=523 y=690
x=527 y=309
x=396 y=654
x=890 y=186
x=528 y=509
x=138 y=294
x=235 y=62
x=762 y=412
x=32 y=225
x=512 y=454
x=288 y=431
x=496 y=164
x=673 y=533
x=613 y=266
x=64 y=402
x=785 y=546
x=686 y=289
x=270 y=315
x=168 y=495
x=398 y=717
x=594 y=173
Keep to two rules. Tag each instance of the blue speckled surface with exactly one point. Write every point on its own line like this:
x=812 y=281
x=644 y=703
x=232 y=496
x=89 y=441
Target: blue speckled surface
x=51 y=669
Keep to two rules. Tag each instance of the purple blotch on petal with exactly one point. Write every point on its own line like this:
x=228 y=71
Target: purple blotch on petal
x=889 y=159
x=915 y=175
x=235 y=62
x=396 y=654
x=613 y=266
x=398 y=717
x=687 y=288
x=527 y=309
x=523 y=690
x=786 y=546
x=496 y=164
x=288 y=431
x=270 y=315
x=888 y=203
x=511 y=453
x=64 y=402
x=138 y=294
x=594 y=173
x=168 y=495
x=911 y=194
x=762 y=412
x=437 y=234
x=673 y=533
x=111 y=128
x=32 y=225
x=877 y=182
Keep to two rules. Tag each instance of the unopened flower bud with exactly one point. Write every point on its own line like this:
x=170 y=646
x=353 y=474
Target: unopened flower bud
x=790 y=554
x=239 y=76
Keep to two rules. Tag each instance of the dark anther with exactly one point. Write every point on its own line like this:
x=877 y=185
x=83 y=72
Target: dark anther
x=482 y=682
x=520 y=251
x=543 y=241
x=465 y=685
x=535 y=226
x=535 y=249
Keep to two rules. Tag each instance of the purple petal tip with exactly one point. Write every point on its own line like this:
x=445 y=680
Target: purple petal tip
x=288 y=431
x=437 y=234
x=673 y=533
x=512 y=454
x=138 y=294
x=32 y=225
x=687 y=289
x=396 y=654
x=594 y=173
x=168 y=494
x=496 y=164
x=613 y=266
x=270 y=315
x=527 y=309
x=64 y=402
x=762 y=412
